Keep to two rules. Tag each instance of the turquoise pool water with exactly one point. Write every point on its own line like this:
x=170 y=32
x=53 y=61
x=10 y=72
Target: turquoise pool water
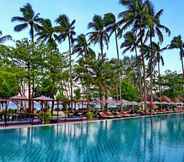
x=157 y=139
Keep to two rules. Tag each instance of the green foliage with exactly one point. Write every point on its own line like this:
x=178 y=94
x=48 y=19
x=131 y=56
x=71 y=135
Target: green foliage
x=129 y=92
x=60 y=96
x=172 y=84
x=77 y=93
x=45 y=116
x=90 y=115
x=8 y=84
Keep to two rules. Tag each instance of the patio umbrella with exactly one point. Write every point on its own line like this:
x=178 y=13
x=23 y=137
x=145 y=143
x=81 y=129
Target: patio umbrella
x=43 y=100
x=19 y=99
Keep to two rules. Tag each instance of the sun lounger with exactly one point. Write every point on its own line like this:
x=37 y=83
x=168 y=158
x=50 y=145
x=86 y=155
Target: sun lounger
x=125 y=114
x=106 y=115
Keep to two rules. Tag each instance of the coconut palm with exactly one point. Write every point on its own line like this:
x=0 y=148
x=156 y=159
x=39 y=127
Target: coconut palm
x=158 y=60
x=177 y=43
x=154 y=29
x=31 y=20
x=112 y=27
x=81 y=45
x=98 y=34
x=130 y=44
x=83 y=49
x=47 y=33
x=155 y=59
x=134 y=18
x=66 y=30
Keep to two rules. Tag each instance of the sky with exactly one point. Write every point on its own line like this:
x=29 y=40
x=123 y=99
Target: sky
x=83 y=11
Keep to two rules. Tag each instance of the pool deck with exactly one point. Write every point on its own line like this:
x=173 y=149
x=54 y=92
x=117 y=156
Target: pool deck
x=87 y=121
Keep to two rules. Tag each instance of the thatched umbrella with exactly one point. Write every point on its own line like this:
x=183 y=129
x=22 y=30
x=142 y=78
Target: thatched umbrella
x=176 y=100
x=165 y=99
x=181 y=98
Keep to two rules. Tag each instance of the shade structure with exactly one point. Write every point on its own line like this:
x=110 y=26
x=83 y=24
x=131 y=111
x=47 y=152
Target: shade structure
x=19 y=97
x=176 y=100
x=43 y=98
x=110 y=101
x=181 y=98
x=165 y=99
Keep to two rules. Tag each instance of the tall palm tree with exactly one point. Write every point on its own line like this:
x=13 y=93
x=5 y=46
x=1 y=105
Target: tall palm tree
x=155 y=59
x=177 y=43
x=98 y=34
x=130 y=43
x=31 y=20
x=66 y=30
x=82 y=47
x=134 y=18
x=158 y=60
x=28 y=19
x=47 y=33
x=113 y=27
x=154 y=28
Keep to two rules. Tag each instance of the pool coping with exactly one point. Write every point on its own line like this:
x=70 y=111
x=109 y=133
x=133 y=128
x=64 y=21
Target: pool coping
x=86 y=121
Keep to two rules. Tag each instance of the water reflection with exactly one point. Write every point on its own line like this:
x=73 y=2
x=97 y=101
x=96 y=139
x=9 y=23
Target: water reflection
x=158 y=139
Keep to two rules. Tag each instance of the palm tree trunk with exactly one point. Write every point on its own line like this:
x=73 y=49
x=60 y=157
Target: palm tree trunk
x=151 y=76
x=144 y=75
x=102 y=59
x=29 y=72
x=101 y=48
x=182 y=64
x=117 y=50
x=139 y=71
x=159 y=79
x=29 y=86
x=70 y=64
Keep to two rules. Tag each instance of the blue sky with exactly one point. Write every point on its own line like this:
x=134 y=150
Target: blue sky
x=83 y=11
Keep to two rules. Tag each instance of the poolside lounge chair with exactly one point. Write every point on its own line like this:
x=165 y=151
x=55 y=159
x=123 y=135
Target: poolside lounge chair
x=106 y=115
x=125 y=114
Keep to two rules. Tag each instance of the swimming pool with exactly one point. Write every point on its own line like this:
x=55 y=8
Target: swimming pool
x=157 y=139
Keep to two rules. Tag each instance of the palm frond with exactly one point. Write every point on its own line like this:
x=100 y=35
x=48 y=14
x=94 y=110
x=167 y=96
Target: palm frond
x=18 y=18
x=20 y=27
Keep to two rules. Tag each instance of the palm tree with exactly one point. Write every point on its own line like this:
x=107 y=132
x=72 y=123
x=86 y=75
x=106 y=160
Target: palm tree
x=4 y=38
x=158 y=59
x=130 y=44
x=155 y=28
x=83 y=49
x=98 y=34
x=155 y=59
x=31 y=20
x=47 y=33
x=134 y=18
x=113 y=27
x=81 y=45
x=177 y=43
x=66 y=30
